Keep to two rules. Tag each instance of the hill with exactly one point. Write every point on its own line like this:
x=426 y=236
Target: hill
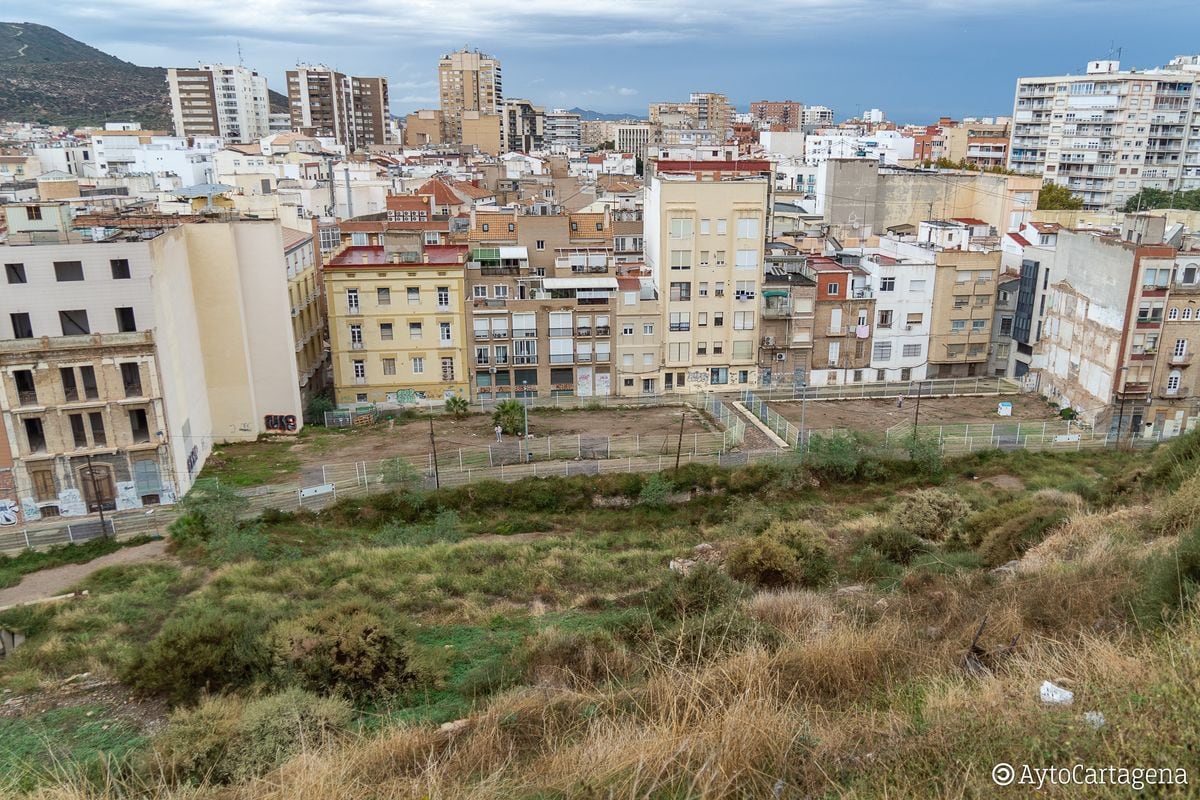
x=46 y=76
x=851 y=626
x=593 y=116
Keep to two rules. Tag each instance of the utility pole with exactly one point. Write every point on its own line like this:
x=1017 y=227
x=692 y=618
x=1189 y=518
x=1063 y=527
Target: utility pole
x=917 y=413
x=437 y=480
x=96 y=494
x=679 y=445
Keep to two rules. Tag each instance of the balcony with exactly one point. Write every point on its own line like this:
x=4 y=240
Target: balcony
x=481 y=335
x=680 y=326
x=602 y=358
x=863 y=294
x=603 y=330
x=356 y=345
x=482 y=361
x=524 y=333
x=27 y=397
x=524 y=360
x=353 y=310
x=744 y=295
x=360 y=380
x=583 y=358
x=1177 y=392
x=839 y=330
x=582 y=331
x=1181 y=360
x=560 y=332
x=560 y=358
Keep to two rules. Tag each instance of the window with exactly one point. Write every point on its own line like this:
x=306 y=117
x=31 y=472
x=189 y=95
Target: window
x=701 y=348
x=138 y=425
x=444 y=333
x=120 y=268
x=719 y=289
x=70 y=389
x=418 y=365
x=383 y=296
x=125 y=320
x=627 y=361
x=78 y=430
x=33 y=212
x=680 y=321
x=35 y=435
x=978 y=325
x=704 y=227
x=681 y=259
x=414 y=330
x=718 y=375
x=887 y=284
x=1180 y=348
x=15 y=273
x=96 y=419
x=432 y=237
x=22 y=328
x=881 y=351
x=385 y=331
x=719 y=258
x=647 y=359
x=359 y=239
x=500 y=291
x=74 y=323
x=743 y=320
x=68 y=271
x=414 y=295
x=704 y=258
x=87 y=375
x=681 y=291
x=718 y=348
x=702 y=319
x=747 y=228
x=958 y=325
x=721 y=227
x=832 y=289
x=746 y=259
x=44 y=488
x=885 y=318
x=540 y=244
x=443 y=296
x=352 y=301
x=627 y=330
x=916 y=285
x=1006 y=326
x=131 y=378
x=360 y=370
x=718 y=319
x=448 y=369
x=680 y=228
x=648 y=329
x=500 y=355
x=1187 y=313
x=911 y=351
x=525 y=351
x=479 y=291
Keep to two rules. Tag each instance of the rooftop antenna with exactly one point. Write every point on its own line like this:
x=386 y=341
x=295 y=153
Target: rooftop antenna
x=241 y=63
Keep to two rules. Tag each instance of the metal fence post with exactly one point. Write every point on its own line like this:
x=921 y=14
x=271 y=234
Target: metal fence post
x=26 y=532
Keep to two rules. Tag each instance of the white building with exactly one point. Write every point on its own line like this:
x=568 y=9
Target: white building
x=818 y=116
x=219 y=99
x=562 y=131
x=1109 y=133
x=901 y=280
x=886 y=147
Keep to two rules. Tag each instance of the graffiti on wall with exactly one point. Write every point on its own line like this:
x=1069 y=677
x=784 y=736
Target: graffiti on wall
x=8 y=512
x=280 y=423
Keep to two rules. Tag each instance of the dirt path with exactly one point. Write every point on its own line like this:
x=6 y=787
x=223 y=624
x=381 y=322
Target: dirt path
x=56 y=581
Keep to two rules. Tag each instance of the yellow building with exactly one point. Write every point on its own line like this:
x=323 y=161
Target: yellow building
x=482 y=130
x=396 y=328
x=308 y=316
x=961 y=331
x=704 y=234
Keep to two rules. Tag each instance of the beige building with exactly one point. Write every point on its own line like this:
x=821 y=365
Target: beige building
x=524 y=125
x=423 y=128
x=964 y=289
x=704 y=233
x=638 y=337
x=396 y=329
x=468 y=80
x=126 y=355
x=541 y=289
x=353 y=110
x=481 y=130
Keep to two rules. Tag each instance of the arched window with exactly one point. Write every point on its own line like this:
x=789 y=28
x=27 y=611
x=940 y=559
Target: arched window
x=1173 y=313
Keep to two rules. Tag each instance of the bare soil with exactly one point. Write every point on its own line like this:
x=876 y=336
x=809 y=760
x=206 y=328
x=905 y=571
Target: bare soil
x=879 y=415
x=57 y=580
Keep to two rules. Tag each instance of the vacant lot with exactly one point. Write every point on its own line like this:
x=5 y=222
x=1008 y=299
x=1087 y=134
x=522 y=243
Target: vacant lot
x=300 y=458
x=878 y=415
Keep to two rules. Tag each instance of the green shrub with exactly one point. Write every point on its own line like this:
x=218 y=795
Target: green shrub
x=655 y=491
x=209 y=508
x=575 y=657
x=351 y=648
x=205 y=649
x=929 y=513
x=314 y=413
x=238 y=544
x=1017 y=533
x=807 y=544
x=763 y=561
x=896 y=544
x=703 y=589
x=925 y=454
x=868 y=564
x=458 y=406
x=1172 y=582
x=401 y=474
x=226 y=739
x=836 y=456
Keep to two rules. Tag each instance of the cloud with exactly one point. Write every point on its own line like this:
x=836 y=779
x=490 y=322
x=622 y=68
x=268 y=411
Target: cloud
x=625 y=91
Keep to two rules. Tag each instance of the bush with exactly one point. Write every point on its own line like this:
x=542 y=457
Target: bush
x=703 y=589
x=1019 y=532
x=510 y=416
x=458 y=406
x=206 y=649
x=575 y=657
x=837 y=456
x=226 y=739
x=929 y=513
x=1172 y=581
x=808 y=546
x=896 y=544
x=925 y=454
x=350 y=648
x=401 y=474
x=655 y=491
x=209 y=508
x=314 y=413
x=239 y=544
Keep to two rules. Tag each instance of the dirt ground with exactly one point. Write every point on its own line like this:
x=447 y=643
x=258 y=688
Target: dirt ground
x=302 y=457
x=57 y=580
x=878 y=415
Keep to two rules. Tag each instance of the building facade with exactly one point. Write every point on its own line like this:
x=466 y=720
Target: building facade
x=1108 y=133
x=351 y=110
x=219 y=100
x=468 y=80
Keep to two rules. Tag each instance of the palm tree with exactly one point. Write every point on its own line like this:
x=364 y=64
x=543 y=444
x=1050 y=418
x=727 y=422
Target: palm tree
x=458 y=406
x=510 y=416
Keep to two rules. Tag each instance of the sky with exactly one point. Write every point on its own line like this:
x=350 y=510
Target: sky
x=915 y=59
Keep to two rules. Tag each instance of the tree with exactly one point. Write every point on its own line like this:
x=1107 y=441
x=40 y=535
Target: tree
x=458 y=406
x=1054 y=197
x=210 y=508
x=401 y=474
x=1160 y=198
x=510 y=416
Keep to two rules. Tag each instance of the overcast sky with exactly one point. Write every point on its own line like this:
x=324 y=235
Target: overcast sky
x=915 y=59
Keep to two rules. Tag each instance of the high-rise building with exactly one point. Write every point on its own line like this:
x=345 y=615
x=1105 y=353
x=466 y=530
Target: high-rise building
x=219 y=100
x=1109 y=133
x=783 y=115
x=524 y=126
x=817 y=116
x=563 y=131
x=468 y=80
x=352 y=110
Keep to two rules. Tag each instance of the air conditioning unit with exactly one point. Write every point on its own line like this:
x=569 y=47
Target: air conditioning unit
x=781 y=356
x=768 y=341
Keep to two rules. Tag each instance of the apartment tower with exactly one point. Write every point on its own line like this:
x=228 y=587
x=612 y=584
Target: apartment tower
x=468 y=80
x=350 y=109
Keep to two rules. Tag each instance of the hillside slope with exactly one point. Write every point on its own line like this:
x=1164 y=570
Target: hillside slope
x=46 y=76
